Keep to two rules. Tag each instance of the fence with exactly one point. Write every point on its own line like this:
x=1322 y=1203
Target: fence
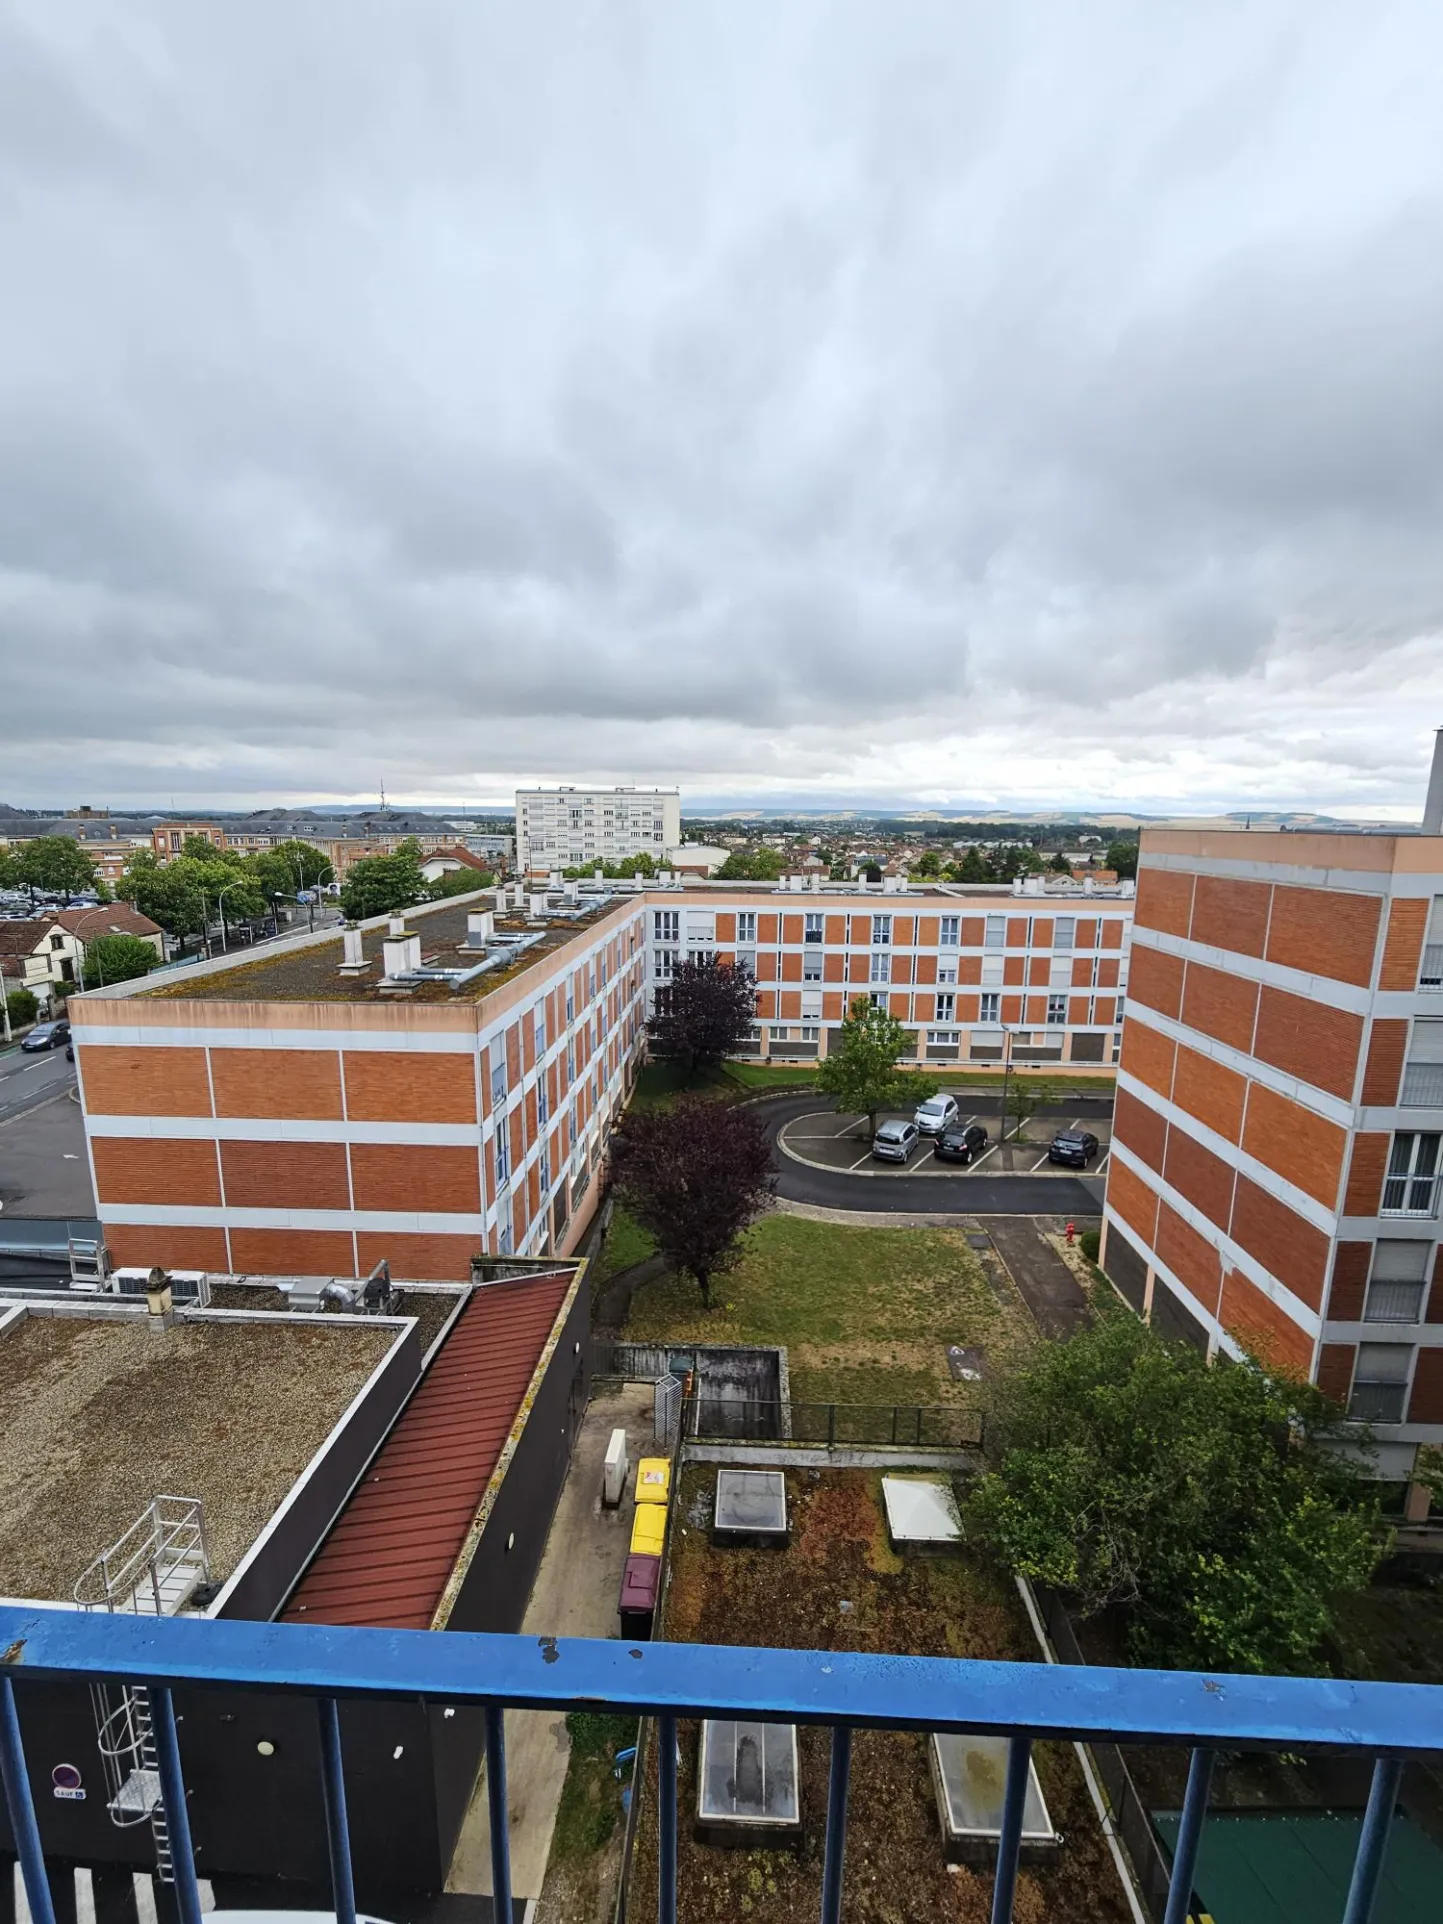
x=716 y=1417
x=670 y=1681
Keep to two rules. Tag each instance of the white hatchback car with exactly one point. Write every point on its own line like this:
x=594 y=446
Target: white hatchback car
x=894 y=1141
x=935 y=1115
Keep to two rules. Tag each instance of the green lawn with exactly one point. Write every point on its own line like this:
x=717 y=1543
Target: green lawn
x=661 y=1082
x=626 y=1243
x=866 y=1315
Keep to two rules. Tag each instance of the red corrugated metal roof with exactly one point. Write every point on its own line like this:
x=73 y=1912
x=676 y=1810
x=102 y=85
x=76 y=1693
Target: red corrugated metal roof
x=391 y=1551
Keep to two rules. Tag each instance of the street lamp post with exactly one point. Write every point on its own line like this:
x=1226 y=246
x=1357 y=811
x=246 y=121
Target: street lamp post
x=1006 y=1075
x=220 y=911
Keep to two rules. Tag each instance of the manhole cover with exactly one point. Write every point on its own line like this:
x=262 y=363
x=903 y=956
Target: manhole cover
x=965 y=1365
x=979 y=1242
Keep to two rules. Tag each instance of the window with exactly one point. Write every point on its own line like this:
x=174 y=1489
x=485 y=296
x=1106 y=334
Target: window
x=747 y=927
x=1423 y=1071
x=664 y=961
x=877 y=1000
x=812 y=927
x=1410 y=1187
x=946 y=971
x=777 y=1032
x=1064 y=932
x=811 y=1032
x=992 y=971
x=945 y=1006
x=570 y=1063
x=540 y=1033
x=996 y=932
x=881 y=968
x=1056 y=1011
x=666 y=925
x=1118 y=1010
x=498 y=1080
x=543 y=1101
x=944 y=1037
x=951 y=931
x=504 y=1241
x=502 y=1140
x=988 y=1011
x=1430 y=974
x=811 y=968
x=881 y=928
x=1380 y=1382
x=1395 y=1288
x=746 y=962
x=1059 y=973
x=546 y=1165
x=570 y=1006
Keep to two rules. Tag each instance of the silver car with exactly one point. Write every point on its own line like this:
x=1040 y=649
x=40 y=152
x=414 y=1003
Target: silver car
x=935 y=1114
x=894 y=1141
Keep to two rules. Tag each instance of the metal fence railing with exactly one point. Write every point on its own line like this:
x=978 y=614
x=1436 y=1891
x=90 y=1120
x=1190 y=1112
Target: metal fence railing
x=44 y=1650
x=715 y=1417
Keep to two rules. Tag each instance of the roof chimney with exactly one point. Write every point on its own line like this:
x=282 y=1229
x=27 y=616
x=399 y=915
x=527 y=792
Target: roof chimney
x=480 y=924
x=402 y=952
x=1433 y=807
x=353 y=950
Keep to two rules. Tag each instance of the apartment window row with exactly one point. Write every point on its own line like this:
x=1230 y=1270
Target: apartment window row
x=1410 y=1187
x=1380 y=1382
x=1423 y=1069
x=1430 y=973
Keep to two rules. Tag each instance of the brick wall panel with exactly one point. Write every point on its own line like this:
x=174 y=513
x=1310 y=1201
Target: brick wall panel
x=293 y=1084
x=1403 y=945
x=969 y=1010
x=1149 y=1055
x=789 y=1005
x=293 y=1252
x=285 y=1175
x=791 y=928
x=834 y=1007
x=834 y=968
x=1164 y=900
x=1285 y=1244
x=1108 y=971
x=858 y=968
x=1042 y=926
x=1325 y=932
x=1017 y=931
x=1110 y=932
x=1335 y=1371
x=1309 y=1040
x=143 y=1245
x=513 y=1047
x=1203 y=1178
x=1220 y=1005
x=1425 y=1404
x=1086 y=933
x=726 y=926
x=1350 y=1282
x=1129 y=1197
x=1140 y=1129
x=1106 y=1011
x=520 y=1222
x=391 y=1086
x=972 y=931
x=1262 y=1326
x=1211 y=1091
x=1297 y=1143
x=767 y=925
x=1155 y=979
x=1039 y=971
x=1082 y=973
x=517 y=1128
x=1366 y=1168
x=928 y=931
x=121 y=1081
x=835 y=929
x=1077 y=1011
x=1014 y=970
x=1231 y=915
x=1190 y=1257
x=926 y=968
x=1011 y=1009
x=152 y=1169
x=1383 y=1070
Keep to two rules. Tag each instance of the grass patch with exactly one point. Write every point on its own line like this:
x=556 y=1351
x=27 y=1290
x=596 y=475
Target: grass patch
x=626 y=1243
x=1391 y=1633
x=585 y=1858
x=866 y=1315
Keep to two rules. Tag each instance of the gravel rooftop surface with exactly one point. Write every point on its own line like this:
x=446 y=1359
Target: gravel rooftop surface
x=430 y=1307
x=313 y=974
x=97 y=1418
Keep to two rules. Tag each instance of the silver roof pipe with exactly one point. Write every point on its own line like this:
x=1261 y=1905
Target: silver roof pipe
x=1433 y=807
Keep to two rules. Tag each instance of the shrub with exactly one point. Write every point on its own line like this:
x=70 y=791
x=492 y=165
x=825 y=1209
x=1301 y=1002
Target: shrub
x=1090 y=1243
x=22 y=1007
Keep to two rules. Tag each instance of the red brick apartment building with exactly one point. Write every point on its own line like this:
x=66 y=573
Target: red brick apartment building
x=428 y=1094
x=1274 y=1177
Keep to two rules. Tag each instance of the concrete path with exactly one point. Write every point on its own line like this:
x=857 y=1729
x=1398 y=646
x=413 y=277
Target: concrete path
x=1057 y=1300
x=574 y=1596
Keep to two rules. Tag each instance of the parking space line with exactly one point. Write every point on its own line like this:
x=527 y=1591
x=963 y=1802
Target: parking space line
x=854 y=1167
x=847 y=1126
x=1041 y=1163
x=977 y=1161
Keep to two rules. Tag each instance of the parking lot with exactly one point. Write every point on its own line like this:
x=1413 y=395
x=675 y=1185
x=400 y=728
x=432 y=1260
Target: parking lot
x=839 y=1144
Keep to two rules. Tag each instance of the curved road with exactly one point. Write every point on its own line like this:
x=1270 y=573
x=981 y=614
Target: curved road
x=962 y=1195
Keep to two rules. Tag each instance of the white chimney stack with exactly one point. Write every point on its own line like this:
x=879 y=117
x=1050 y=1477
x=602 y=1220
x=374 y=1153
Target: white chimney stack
x=354 y=954
x=398 y=925
x=402 y=952
x=1433 y=807
x=480 y=923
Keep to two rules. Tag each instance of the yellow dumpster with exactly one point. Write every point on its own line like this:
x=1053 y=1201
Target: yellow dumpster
x=648 y=1530
x=653 y=1479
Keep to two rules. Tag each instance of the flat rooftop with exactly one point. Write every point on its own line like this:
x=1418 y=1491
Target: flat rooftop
x=99 y=1415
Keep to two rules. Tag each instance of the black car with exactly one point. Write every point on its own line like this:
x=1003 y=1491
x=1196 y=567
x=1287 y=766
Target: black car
x=961 y=1143
x=1075 y=1147
x=46 y=1035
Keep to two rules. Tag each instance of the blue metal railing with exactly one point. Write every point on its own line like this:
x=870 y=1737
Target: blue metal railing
x=1026 y=1702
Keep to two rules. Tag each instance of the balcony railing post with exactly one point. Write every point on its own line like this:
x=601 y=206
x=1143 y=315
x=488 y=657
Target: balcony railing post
x=1189 y=1835
x=1373 y=1841
x=21 y=1807
x=836 y=1848
x=500 y=1821
x=177 y=1816
x=338 y=1833
x=1009 y=1841
x=666 y=1820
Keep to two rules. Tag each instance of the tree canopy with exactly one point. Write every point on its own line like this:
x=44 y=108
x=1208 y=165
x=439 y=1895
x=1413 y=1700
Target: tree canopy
x=1208 y=1501
x=56 y=863
x=117 y=958
x=642 y=863
x=862 y=1065
x=694 y=1175
x=459 y=881
x=382 y=884
x=1122 y=856
x=751 y=865
x=704 y=1013
x=182 y=895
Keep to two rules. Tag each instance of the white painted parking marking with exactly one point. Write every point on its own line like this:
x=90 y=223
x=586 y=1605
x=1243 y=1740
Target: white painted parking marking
x=1041 y=1163
x=860 y=1163
x=1101 y=1163
x=977 y=1161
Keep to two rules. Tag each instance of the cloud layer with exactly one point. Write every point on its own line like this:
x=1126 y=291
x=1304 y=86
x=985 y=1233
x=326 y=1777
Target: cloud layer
x=1025 y=405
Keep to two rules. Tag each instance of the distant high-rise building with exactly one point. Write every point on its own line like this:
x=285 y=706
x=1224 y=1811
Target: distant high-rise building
x=561 y=828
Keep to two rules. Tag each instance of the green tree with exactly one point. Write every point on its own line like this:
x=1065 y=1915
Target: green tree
x=1122 y=856
x=117 y=958
x=9 y=869
x=382 y=884
x=861 y=1066
x=288 y=868
x=57 y=864
x=751 y=865
x=929 y=865
x=1211 y=1503
x=1059 y=864
x=971 y=868
x=1023 y=1099
x=22 y=1006
x=167 y=892
x=705 y=1014
x=200 y=848
x=461 y=881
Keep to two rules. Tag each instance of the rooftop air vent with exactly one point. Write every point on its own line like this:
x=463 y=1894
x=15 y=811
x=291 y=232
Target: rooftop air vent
x=969 y=1775
x=747 y=1780
x=922 y=1513
x=751 y=1509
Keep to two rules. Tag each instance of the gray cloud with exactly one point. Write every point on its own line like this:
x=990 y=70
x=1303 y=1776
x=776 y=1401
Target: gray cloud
x=1035 y=405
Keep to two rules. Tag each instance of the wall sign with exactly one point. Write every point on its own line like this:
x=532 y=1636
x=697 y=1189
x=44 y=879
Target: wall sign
x=65 y=1780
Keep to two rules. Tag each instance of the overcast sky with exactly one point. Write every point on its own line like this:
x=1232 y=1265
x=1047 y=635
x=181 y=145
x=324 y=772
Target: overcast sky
x=1038 y=403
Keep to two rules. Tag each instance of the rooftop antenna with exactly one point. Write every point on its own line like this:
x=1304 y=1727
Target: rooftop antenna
x=383 y=798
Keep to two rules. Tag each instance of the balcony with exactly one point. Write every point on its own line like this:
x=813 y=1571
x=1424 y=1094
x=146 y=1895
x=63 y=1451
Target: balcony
x=325 y=1678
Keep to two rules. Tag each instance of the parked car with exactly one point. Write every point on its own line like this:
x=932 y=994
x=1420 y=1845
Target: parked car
x=961 y=1143
x=47 y=1035
x=894 y=1141
x=1075 y=1147
x=935 y=1114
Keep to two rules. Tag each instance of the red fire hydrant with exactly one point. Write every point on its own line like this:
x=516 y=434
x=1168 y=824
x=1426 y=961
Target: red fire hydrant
x=1071 y=1231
